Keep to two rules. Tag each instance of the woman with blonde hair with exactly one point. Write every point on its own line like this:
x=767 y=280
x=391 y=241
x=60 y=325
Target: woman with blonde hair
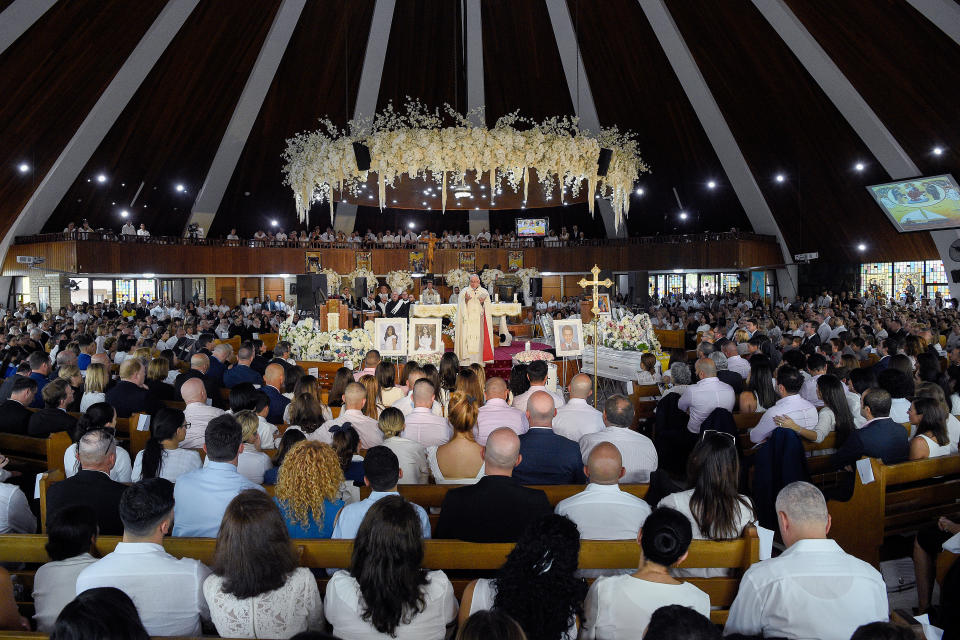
x=252 y=462
x=481 y=375
x=310 y=385
x=98 y=376
x=411 y=454
x=459 y=461
x=308 y=490
x=372 y=407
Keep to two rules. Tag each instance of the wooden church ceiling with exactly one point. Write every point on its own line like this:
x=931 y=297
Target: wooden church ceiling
x=903 y=65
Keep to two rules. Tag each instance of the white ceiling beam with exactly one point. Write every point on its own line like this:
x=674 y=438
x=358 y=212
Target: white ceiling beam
x=369 y=90
x=245 y=114
x=479 y=219
x=18 y=17
x=580 y=94
x=945 y=14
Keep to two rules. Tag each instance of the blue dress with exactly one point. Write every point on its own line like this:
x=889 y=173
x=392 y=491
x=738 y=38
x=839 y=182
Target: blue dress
x=313 y=529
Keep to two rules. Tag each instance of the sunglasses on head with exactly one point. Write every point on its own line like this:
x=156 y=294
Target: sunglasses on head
x=729 y=436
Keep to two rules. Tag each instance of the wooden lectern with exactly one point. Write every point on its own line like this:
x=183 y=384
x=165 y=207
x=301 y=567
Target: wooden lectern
x=337 y=316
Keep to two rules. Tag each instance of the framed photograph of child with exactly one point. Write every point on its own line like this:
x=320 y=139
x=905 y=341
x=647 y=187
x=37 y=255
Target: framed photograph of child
x=568 y=336
x=425 y=336
x=390 y=336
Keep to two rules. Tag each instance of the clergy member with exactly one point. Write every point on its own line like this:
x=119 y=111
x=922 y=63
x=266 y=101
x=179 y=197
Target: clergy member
x=474 y=339
x=429 y=295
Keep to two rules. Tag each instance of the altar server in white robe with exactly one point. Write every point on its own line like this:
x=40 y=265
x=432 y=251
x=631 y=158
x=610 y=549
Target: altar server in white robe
x=429 y=295
x=474 y=339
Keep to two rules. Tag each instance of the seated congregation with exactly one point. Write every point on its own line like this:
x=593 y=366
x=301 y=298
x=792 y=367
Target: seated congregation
x=433 y=501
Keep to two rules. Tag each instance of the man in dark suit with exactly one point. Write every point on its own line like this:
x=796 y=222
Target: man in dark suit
x=14 y=415
x=241 y=372
x=57 y=396
x=23 y=371
x=130 y=396
x=887 y=348
x=397 y=307
x=880 y=437
x=273 y=387
x=546 y=457
x=259 y=363
x=199 y=365
x=92 y=486
x=239 y=329
x=497 y=508
x=810 y=338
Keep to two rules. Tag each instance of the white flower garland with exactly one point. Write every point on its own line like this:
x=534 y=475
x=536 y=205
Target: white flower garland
x=417 y=143
x=525 y=275
x=399 y=280
x=309 y=343
x=457 y=278
x=364 y=273
x=333 y=281
x=489 y=277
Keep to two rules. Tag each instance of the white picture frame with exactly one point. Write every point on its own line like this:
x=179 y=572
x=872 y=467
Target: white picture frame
x=568 y=337
x=425 y=336
x=390 y=336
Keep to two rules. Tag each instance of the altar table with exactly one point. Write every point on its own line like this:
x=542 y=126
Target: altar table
x=498 y=310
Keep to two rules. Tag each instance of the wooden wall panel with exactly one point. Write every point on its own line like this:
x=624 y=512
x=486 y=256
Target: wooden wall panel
x=170 y=130
x=249 y=288
x=52 y=76
x=94 y=257
x=273 y=287
x=227 y=290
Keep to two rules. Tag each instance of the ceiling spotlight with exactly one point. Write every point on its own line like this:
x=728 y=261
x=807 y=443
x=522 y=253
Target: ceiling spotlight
x=683 y=215
x=937 y=151
x=410 y=225
x=124 y=213
x=861 y=247
x=24 y=167
x=780 y=177
x=711 y=185
x=394 y=202
x=101 y=178
x=424 y=204
x=273 y=223
x=426 y=192
x=639 y=192
x=859 y=166
x=180 y=188
x=370 y=196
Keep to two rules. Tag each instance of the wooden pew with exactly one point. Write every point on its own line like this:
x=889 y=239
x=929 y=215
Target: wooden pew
x=35 y=455
x=464 y=557
x=175 y=404
x=233 y=342
x=902 y=499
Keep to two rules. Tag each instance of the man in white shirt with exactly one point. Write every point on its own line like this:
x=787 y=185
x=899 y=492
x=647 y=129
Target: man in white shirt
x=824 y=329
x=816 y=366
x=168 y=592
x=602 y=511
x=811 y=590
x=128 y=229
x=422 y=425
x=700 y=399
x=639 y=456
x=142 y=231
x=577 y=418
x=537 y=375
x=197 y=413
x=405 y=404
x=328 y=235
x=496 y=413
x=790 y=404
x=429 y=295
x=354 y=399
x=15 y=514
x=735 y=362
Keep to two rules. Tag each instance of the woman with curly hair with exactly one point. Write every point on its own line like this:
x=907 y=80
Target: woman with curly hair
x=537 y=586
x=386 y=591
x=308 y=489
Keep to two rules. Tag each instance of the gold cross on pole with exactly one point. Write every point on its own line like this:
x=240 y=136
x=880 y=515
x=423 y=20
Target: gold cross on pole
x=584 y=283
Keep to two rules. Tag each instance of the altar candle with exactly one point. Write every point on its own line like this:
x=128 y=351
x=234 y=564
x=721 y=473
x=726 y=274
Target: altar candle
x=526 y=346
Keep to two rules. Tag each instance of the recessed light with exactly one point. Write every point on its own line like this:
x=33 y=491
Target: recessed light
x=938 y=151
x=859 y=166
x=273 y=223
x=640 y=192
x=24 y=167
x=780 y=177
x=861 y=247
x=410 y=225
x=180 y=188
x=424 y=204
x=101 y=178
x=124 y=213
x=711 y=185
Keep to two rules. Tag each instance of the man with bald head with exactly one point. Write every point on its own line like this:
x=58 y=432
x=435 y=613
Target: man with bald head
x=548 y=458
x=273 y=378
x=199 y=366
x=422 y=425
x=602 y=511
x=699 y=400
x=577 y=418
x=497 y=508
x=354 y=399
x=197 y=413
x=496 y=413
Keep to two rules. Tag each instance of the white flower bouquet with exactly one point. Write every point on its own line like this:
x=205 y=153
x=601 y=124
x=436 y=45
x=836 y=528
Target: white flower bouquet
x=490 y=276
x=364 y=273
x=457 y=278
x=399 y=280
x=427 y=358
x=333 y=281
x=532 y=355
x=629 y=334
x=525 y=275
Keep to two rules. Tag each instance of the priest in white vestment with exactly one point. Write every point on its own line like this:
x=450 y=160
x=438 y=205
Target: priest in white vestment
x=474 y=338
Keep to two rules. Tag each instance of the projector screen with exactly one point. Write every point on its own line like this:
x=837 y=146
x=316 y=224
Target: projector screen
x=531 y=227
x=920 y=204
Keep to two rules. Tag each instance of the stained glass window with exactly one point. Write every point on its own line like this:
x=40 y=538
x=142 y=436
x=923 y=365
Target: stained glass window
x=708 y=284
x=907 y=279
x=876 y=277
x=729 y=282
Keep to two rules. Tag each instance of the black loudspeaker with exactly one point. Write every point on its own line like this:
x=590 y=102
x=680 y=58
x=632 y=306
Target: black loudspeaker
x=536 y=287
x=955 y=276
x=640 y=287
x=359 y=288
x=603 y=162
x=362 y=154
x=311 y=291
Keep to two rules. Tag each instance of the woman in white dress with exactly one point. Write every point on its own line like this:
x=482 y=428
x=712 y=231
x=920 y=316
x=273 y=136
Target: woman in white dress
x=715 y=508
x=411 y=454
x=256 y=589
x=930 y=421
x=935 y=391
x=162 y=456
x=390 y=339
x=363 y=603
x=538 y=585
x=95 y=384
x=459 y=461
x=98 y=416
x=616 y=606
x=425 y=341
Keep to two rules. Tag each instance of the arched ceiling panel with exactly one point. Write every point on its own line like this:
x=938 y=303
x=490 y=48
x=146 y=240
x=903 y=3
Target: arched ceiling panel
x=170 y=130
x=903 y=65
x=318 y=77
x=521 y=64
x=635 y=88
x=784 y=123
x=51 y=77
